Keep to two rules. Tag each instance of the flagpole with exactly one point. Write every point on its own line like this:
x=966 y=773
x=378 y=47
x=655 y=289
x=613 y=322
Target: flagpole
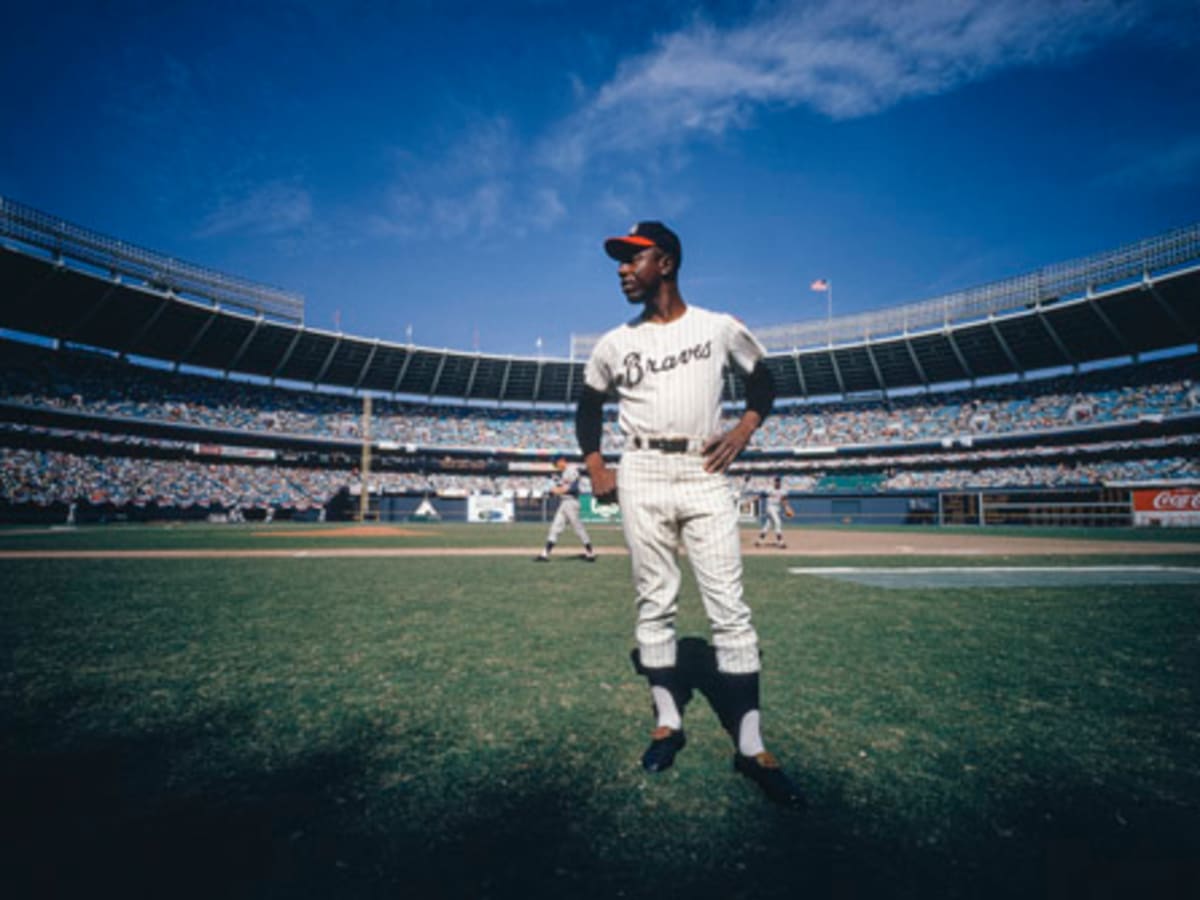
x=825 y=286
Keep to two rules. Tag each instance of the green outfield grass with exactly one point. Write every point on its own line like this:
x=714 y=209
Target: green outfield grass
x=471 y=727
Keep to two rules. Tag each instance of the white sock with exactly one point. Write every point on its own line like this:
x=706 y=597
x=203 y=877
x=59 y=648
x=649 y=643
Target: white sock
x=750 y=740
x=664 y=705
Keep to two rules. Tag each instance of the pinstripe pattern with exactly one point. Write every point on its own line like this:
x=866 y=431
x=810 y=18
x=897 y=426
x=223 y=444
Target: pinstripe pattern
x=668 y=379
x=668 y=376
x=668 y=501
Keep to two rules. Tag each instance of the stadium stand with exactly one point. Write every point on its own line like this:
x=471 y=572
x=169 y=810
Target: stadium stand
x=91 y=384
x=136 y=385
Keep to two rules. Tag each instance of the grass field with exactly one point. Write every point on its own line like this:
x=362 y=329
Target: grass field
x=470 y=726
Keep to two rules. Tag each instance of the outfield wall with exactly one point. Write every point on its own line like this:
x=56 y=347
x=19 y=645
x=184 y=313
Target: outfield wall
x=865 y=509
x=1089 y=507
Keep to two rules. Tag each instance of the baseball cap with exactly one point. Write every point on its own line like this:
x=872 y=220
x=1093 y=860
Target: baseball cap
x=641 y=236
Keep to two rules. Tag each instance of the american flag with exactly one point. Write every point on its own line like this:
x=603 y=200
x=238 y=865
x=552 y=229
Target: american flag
x=820 y=285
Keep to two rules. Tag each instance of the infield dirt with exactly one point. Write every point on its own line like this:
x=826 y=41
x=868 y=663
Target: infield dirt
x=800 y=543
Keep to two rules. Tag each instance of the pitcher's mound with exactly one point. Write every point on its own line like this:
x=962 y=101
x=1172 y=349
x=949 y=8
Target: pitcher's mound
x=350 y=531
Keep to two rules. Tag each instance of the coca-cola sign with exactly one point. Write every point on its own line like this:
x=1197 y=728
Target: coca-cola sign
x=1179 y=506
x=1175 y=500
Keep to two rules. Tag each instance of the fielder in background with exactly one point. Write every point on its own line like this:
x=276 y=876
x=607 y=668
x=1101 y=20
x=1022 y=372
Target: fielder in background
x=665 y=369
x=775 y=506
x=567 y=491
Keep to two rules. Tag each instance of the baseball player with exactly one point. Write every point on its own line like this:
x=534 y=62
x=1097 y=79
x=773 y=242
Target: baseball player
x=774 y=507
x=567 y=490
x=665 y=368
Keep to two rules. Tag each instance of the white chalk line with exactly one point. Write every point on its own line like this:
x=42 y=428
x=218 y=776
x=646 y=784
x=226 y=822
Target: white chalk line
x=940 y=570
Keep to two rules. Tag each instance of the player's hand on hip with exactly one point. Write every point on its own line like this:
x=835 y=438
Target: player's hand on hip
x=723 y=449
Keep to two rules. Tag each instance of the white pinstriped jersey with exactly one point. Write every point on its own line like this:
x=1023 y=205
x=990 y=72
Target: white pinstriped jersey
x=667 y=376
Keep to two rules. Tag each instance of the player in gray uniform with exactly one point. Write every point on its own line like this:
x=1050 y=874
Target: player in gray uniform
x=567 y=491
x=774 y=507
x=666 y=369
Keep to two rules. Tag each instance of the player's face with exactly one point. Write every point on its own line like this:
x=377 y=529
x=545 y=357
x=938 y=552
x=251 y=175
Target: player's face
x=641 y=275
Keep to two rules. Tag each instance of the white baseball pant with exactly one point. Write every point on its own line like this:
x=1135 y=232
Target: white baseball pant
x=773 y=517
x=567 y=514
x=666 y=499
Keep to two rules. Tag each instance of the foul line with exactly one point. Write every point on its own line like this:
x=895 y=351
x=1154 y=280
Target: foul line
x=959 y=577
x=958 y=570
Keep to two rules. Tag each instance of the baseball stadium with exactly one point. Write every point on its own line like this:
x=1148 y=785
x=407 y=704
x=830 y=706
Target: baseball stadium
x=272 y=630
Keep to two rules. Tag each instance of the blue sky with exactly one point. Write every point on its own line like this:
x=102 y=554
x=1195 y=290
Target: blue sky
x=453 y=167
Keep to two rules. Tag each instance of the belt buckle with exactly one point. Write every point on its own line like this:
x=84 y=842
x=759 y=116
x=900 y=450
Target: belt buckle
x=661 y=444
x=670 y=445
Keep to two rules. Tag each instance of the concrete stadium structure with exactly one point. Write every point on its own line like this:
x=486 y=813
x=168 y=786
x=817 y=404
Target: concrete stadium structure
x=67 y=284
x=84 y=308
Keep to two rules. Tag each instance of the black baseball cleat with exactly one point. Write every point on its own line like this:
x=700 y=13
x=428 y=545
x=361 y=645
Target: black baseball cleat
x=664 y=744
x=764 y=770
x=541 y=557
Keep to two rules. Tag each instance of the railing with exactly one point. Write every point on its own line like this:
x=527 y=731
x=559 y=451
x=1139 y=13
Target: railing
x=65 y=240
x=1048 y=284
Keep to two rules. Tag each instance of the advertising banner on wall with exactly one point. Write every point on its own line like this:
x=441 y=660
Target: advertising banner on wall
x=591 y=511
x=489 y=508
x=748 y=509
x=232 y=452
x=1167 y=507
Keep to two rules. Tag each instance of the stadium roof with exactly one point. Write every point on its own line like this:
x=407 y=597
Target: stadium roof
x=1123 y=304
x=82 y=248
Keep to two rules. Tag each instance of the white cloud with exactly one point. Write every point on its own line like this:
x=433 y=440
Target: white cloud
x=547 y=207
x=272 y=208
x=478 y=210
x=841 y=59
x=477 y=187
x=482 y=210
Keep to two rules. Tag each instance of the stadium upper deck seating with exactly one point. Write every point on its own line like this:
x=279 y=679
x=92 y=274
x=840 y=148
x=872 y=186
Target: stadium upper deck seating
x=36 y=378
x=102 y=386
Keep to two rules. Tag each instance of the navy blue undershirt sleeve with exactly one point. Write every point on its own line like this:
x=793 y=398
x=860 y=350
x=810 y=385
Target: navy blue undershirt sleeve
x=589 y=420
x=760 y=390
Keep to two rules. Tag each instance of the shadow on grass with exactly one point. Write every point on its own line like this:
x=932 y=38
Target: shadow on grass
x=111 y=813
x=175 y=813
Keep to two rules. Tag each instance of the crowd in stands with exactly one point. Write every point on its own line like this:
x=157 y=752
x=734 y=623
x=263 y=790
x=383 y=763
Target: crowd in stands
x=47 y=477
x=1059 y=475
x=1095 y=398
x=38 y=378
x=103 y=386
